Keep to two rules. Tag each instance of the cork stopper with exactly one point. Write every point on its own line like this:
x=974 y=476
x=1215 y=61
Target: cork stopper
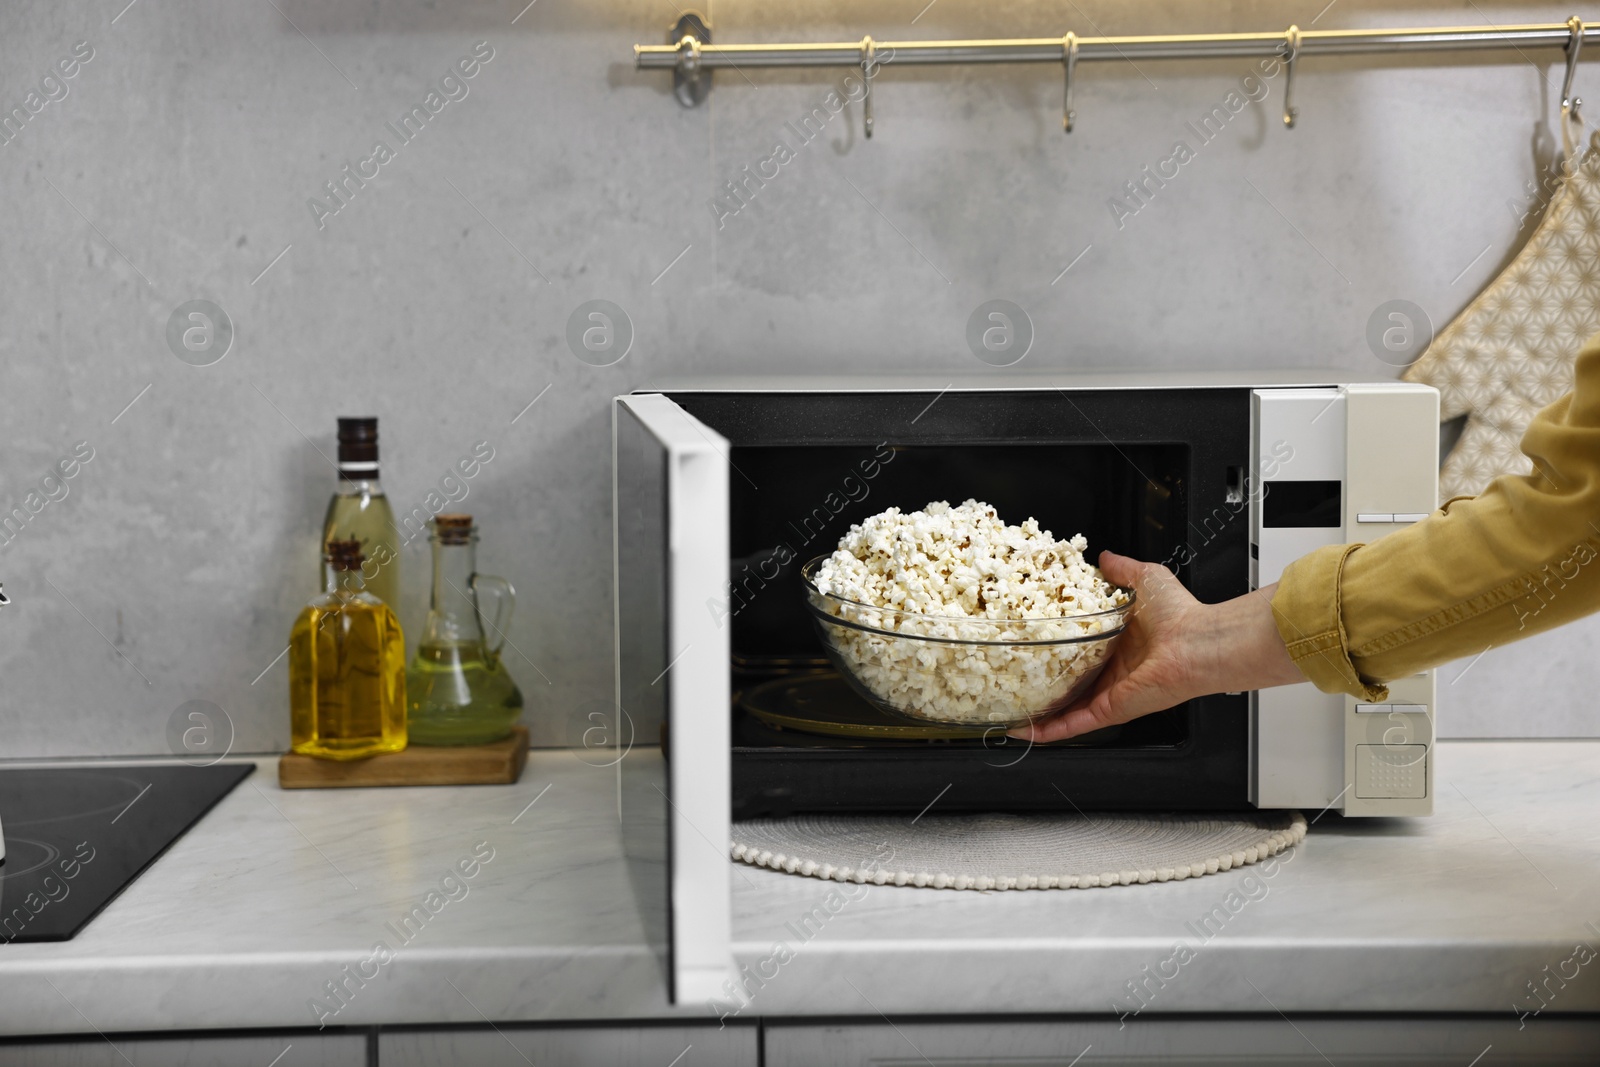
x=344 y=555
x=453 y=529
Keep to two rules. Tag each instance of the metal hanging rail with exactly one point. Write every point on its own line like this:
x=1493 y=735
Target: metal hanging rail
x=691 y=55
x=1160 y=46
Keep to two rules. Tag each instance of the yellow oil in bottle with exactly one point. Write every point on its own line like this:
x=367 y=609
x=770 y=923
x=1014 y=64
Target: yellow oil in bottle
x=347 y=691
x=360 y=510
x=367 y=518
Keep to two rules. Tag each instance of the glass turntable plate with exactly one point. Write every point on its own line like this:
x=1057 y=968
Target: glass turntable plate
x=823 y=704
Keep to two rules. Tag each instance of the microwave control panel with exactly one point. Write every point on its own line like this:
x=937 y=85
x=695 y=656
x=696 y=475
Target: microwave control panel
x=1332 y=466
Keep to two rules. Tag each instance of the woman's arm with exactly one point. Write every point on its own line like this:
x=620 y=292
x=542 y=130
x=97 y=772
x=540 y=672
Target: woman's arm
x=1176 y=648
x=1517 y=559
x=1520 y=558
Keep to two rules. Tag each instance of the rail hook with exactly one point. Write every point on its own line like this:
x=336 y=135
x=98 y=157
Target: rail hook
x=869 y=70
x=689 y=56
x=1069 y=60
x=1291 y=49
x=691 y=78
x=1569 y=103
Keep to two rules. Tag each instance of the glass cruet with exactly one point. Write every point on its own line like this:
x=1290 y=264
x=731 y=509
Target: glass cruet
x=458 y=689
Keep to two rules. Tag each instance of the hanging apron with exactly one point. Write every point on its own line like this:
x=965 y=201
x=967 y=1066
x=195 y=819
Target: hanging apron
x=1511 y=352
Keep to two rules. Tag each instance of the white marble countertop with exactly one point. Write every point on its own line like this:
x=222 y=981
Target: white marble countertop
x=244 y=921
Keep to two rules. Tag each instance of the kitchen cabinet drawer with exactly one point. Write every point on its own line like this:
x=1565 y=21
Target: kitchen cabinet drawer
x=289 y=1050
x=1262 y=1041
x=622 y=1045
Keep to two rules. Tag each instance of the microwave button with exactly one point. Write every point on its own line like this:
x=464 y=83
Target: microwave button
x=1373 y=709
x=1408 y=709
x=1375 y=516
x=1410 y=516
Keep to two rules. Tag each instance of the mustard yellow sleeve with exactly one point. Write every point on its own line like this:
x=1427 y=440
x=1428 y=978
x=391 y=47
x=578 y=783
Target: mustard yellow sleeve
x=1483 y=571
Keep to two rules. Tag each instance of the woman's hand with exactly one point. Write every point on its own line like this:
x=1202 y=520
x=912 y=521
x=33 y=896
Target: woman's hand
x=1174 y=649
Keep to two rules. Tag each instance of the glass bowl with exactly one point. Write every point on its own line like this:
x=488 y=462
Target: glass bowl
x=960 y=670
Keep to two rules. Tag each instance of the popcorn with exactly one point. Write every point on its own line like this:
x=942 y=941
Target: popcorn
x=960 y=574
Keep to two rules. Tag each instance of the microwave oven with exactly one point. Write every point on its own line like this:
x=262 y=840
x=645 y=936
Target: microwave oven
x=723 y=489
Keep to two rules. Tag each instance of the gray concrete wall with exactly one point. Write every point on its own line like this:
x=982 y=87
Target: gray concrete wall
x=180 y=161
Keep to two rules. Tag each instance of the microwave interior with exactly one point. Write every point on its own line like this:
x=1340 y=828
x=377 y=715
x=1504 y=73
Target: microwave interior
x=1154 y=474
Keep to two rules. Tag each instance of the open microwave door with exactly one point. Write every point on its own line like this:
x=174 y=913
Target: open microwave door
x=670 y=515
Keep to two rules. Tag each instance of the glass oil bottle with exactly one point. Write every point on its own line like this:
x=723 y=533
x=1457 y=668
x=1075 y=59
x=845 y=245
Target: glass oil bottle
x=458 y=689
x=347 y=686
x=360 y=510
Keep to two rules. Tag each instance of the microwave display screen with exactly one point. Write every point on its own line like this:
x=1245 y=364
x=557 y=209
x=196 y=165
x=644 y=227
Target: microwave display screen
x=1302 y=505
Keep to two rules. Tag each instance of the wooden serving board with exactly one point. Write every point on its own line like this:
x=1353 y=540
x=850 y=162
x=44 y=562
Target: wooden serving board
x=499 y=763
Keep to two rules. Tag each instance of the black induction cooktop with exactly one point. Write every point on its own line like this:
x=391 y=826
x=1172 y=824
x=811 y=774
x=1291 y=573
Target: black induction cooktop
x=76 y=837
